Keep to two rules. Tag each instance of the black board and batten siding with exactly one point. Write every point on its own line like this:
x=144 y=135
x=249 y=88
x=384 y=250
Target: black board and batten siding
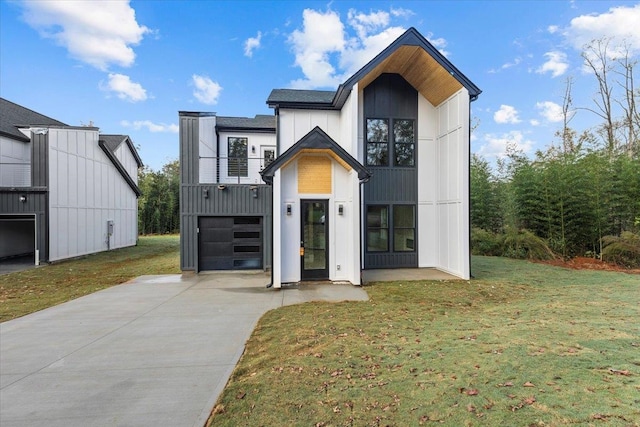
x=206 y=210
x=390 y=96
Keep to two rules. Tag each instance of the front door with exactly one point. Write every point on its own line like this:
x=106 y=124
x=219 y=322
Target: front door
x=314 y=254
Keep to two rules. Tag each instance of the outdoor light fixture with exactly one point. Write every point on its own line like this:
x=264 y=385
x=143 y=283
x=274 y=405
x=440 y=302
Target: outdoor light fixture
x=254 y=191
x=253 y=149
x=340 y=209
x=222 y=187
x=288 y=208
x=23 y=198
x=205 y=193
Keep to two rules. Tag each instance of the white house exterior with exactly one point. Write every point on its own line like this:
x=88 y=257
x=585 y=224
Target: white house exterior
x=373 y=175
x=64 y=191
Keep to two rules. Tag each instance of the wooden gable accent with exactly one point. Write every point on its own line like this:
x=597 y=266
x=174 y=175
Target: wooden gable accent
x=314 y=174
x=420 y=69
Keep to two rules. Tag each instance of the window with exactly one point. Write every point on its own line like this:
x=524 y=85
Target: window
x=404 y=145
x=404 y=228
x=378 y=151
x=269 y=155
x=377 y=228
x=377 y=142
x=237 y=165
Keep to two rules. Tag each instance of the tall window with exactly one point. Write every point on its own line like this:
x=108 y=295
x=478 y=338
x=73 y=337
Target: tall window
x=400 y=227
x=377 y=228
x=379 y=147
x=237 y=164
x=377 y=142
x=403 y=142
x=404 y=228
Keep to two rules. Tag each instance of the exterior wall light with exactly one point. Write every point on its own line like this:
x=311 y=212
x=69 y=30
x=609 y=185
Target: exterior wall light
x=254 y=191
x=222 y=187
x=23 y=198
x=340 y=209
x=289 y=209
x=205 y=193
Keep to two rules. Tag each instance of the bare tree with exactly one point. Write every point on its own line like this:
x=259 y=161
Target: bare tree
x=568 y=134
x=631 y=117
x=597 y=59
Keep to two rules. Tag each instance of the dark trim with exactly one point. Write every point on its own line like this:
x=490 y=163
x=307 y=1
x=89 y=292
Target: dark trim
x=315 y=139
x=14 y=137
x=195 y=114
x=120 y=168
x=316 y=274
x=245 y=129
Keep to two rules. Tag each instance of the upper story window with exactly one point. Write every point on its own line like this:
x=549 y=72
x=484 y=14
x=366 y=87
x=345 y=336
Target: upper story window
x=399 y=145
x=238 y=157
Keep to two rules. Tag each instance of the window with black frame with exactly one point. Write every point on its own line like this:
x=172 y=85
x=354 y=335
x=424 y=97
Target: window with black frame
x=377 y=228
x=237 y=159
x=377 y=142
x=403 y=138
x=404 y=228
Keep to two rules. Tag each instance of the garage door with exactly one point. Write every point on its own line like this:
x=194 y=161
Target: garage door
x=230 y=243
x=17 y=236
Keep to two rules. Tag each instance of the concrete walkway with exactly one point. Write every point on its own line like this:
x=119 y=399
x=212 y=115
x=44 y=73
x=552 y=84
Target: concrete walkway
x=156 y=351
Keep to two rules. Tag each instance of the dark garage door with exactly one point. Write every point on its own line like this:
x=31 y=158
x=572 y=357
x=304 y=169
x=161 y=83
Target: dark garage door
x=230 y=243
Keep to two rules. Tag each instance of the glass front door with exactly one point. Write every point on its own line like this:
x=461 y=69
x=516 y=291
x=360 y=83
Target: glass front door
x=314 y=256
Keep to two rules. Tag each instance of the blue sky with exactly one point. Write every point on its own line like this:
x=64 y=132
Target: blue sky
x=129 y=67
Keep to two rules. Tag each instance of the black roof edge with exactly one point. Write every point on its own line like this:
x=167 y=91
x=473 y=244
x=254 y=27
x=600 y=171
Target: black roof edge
x=318 y=139
x=120 y=168
x=411 y=37
x=15 y=137
x=196 y=114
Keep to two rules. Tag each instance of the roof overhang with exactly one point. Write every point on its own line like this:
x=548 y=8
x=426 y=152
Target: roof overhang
x=316 y=142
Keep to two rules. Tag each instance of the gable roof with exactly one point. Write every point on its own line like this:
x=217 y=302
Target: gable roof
x=315 y=140
x=14 y=116
x=410 y=55
x=125 y=175
x=114 y=141
x=259 y=123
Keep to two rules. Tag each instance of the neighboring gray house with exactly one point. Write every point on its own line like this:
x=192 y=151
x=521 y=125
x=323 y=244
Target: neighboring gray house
x=64 y=191
x=373 y=175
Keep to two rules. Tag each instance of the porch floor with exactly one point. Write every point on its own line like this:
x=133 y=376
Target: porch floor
x=386 y=275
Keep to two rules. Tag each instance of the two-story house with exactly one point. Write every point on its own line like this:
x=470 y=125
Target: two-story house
x=373 y=175
x=65 y=191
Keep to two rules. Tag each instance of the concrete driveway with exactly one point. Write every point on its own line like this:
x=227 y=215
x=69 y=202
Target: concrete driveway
x=156 y=351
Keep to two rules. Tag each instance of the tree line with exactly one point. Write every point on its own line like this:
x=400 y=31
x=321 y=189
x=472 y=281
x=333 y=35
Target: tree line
x=578 y=197
x=159 y=205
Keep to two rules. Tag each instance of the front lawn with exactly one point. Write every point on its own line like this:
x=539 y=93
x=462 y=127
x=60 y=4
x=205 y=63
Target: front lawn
x=32 y=290
x=522 y=344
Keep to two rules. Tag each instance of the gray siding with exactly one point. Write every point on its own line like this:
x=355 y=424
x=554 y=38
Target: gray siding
x=39 y=160
x=36 y=203
x=391 y=97
x=234 y=200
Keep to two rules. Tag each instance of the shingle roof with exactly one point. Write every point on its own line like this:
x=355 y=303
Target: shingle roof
x=259 y=122
x=112 y=142
x=13 y=116
x=287 y=96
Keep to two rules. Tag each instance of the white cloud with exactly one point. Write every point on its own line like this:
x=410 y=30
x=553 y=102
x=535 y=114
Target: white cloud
x=506 y=114
x=251 y=44
x=551 y=111
x=207 y=91
x=499 y=145
x=124 y=88
x=150 y=126
x=327 y=54
x=99 y=33
x=552 y=29
x=402 y=13
x=556 y=64
x=619 y=23
x=321 y=35
x=534 y=122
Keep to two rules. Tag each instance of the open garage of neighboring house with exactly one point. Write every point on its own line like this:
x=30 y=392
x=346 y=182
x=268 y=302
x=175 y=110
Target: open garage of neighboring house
x=19 y=244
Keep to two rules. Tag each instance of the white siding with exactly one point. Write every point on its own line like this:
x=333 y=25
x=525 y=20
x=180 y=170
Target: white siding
x=85 y=191
x=428 y=182
x=294 y=124
x=15 y=163
x=255 y=143
x=125 y=156
x=207 y=149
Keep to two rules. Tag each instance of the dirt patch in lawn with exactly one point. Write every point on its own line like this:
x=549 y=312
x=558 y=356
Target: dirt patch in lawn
x=585 y=263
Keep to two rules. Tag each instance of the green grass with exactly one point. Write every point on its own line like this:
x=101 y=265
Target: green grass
x=32 y=290
x=522 y=344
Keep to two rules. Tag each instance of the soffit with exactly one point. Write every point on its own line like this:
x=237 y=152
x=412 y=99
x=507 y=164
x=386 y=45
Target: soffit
x=421 y=70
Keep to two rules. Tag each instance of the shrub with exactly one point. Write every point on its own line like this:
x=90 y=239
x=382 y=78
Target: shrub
x=623 y=251
x=523 y=244
x=484 y=242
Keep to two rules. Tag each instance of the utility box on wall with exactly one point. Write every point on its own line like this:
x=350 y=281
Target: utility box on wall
x=109 y=227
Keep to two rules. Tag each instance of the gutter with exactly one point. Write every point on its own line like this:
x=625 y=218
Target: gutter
x=277 y=112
